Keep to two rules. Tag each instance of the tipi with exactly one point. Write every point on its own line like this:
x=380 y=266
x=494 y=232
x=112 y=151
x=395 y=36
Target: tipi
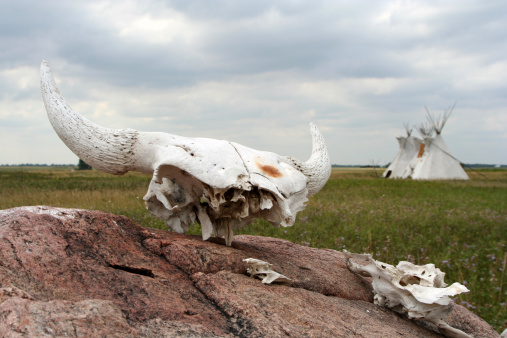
x=436 y=161
x=409 y=146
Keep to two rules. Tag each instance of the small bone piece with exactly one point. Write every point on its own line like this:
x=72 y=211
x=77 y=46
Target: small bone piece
x=418 y=291
x=262 y=270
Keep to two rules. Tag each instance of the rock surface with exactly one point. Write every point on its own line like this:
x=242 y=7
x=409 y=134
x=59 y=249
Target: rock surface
x=79 y=273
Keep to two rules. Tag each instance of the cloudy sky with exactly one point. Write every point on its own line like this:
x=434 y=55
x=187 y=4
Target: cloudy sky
x=258 y=72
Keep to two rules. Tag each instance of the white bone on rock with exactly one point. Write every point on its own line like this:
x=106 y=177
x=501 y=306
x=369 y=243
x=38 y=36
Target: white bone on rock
x=417 y=291
x=220 y=184
x=262 y=270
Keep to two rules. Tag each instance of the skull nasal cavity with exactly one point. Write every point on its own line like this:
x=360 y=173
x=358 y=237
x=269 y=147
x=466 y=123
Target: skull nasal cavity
x=269 y=170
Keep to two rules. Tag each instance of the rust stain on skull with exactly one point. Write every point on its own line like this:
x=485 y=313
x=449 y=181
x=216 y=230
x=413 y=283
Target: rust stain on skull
x=268 y=169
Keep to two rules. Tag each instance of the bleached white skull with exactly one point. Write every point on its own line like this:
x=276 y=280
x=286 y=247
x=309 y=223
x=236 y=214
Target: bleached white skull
x=222 y=185
x=418 y=291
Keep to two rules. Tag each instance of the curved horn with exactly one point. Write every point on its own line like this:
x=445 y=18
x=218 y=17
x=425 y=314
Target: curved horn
x=109 y=150
x=318 y=168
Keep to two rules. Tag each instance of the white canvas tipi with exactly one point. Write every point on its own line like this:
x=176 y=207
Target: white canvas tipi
x=436 y=162
x=409 y=146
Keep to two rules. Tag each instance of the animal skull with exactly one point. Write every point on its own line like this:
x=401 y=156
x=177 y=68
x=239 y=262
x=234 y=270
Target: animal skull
x=222 y=185
x=418 y=291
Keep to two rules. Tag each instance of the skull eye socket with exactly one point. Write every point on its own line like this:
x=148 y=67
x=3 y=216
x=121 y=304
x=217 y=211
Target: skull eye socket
x=409 y=280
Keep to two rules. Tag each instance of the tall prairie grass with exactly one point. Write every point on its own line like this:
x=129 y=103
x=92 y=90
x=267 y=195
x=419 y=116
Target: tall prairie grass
x=460 y=226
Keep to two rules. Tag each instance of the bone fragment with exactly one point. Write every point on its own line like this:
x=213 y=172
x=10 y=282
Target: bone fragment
x=262 y=270
x=417 y=291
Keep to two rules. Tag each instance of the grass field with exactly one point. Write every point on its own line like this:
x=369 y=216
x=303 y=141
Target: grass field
x=460 y=226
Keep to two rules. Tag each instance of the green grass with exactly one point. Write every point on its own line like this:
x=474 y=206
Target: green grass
x=460 y=226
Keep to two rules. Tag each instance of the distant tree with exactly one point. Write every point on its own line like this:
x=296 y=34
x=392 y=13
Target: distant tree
x=83 y=166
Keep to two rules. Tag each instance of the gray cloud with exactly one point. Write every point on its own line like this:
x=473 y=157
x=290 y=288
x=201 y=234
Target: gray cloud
x=257 y=72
